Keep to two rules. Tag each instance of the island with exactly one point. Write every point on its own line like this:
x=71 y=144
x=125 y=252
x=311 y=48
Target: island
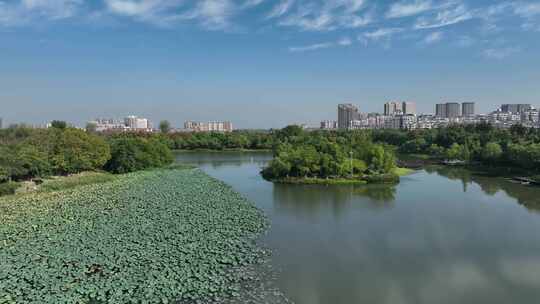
x=330 y=158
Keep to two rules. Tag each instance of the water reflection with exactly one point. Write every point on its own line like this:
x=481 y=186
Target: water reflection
x=527 y=196
x=312 y=198
x=224 y=158
x=443 y=236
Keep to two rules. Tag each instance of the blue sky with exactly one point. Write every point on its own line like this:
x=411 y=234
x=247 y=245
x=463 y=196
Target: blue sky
x=261 y=63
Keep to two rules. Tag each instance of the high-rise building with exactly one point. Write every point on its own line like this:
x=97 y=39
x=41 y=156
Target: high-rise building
x=1 y=123
x=137 y=123
x=467 y=109
x=347 y=113
x=453 y=109
x=440 y=110
x=393 y=108
x=329 y=124
x=409 y=108
x=211 y=126
x=515 y=108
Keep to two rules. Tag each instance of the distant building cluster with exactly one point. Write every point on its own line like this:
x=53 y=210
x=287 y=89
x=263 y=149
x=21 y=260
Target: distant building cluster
x=402 y=115
x=130 y=123
x=140 y=124
x=212 y=126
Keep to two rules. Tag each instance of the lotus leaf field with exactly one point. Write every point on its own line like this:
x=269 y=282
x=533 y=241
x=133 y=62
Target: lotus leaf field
x=162 y=236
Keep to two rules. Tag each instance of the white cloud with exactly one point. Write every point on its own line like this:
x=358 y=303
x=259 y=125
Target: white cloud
x=252 y=3
x=53 y=9
x=321 y=22
x=326 y=16
x=311 y=47
x=153 y=11
x=25 y=11
x=343 y=42
x=500 y=53
x=212 y=14
x=381 y=33
x=405 y=9
x=215 y=14
x=445 y=17
x=527 y=10
x=433 y=38
x=281 y=8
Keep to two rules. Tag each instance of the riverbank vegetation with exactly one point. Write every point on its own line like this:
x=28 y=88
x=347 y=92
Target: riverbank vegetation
x=27 y=153
x=237 y=140
x=481 y=144
x=158 y=236
x=329 y=157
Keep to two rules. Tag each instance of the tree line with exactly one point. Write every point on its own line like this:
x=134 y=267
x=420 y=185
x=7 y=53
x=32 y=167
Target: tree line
x=27 y=153
x=482 y=143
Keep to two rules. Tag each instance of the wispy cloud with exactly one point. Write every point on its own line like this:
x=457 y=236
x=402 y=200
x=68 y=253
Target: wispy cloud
x=527 y=10
x=326 y=16
x=252 y=3
x=152 y=11
x=381 y=33
x=281 y=8
x=408 y=8
x=343 y=42
x=446 y=17
x=433 y=38
x=211 y=14
x=23 y=12
x=500 y=53
x=215 y=14
x=311 y=47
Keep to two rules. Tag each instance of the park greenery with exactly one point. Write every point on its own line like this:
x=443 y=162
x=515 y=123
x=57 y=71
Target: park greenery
x=300 y=155
x=237 y=140
x=517 y=147
x=329 y=157
x=27 y=153
x=155 y=236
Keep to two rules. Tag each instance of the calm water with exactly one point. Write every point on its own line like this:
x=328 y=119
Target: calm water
x=444 y=236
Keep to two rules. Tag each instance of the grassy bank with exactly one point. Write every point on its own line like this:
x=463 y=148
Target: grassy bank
x=403 y=171
x=153 y=237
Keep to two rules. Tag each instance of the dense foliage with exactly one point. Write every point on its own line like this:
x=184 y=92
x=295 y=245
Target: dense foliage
x=516 y=147
x=221 y=141
x=149 y=237
x=301 y=154
x=131 y=153
x=60 y=150
x=28 y=153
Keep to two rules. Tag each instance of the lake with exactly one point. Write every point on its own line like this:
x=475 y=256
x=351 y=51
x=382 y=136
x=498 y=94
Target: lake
x=443 y=235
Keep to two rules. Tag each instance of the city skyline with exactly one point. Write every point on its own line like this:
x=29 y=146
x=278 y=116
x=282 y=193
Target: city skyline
x=207 y=59
x=398 y=107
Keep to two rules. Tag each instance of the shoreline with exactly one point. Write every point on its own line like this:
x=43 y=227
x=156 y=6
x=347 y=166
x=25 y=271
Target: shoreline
x=223 y=150
x=374 y=179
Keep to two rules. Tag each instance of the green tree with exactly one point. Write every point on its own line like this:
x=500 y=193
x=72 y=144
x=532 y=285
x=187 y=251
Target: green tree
x=454 y=152
x=76 y=151
x=164 y=126
x=132 y=153
x=59 y=124
x=492 y=152
x=91 y=127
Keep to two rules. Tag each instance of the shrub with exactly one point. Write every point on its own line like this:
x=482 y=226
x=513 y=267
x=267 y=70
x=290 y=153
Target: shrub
x=8 y=188
x=130 y=153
